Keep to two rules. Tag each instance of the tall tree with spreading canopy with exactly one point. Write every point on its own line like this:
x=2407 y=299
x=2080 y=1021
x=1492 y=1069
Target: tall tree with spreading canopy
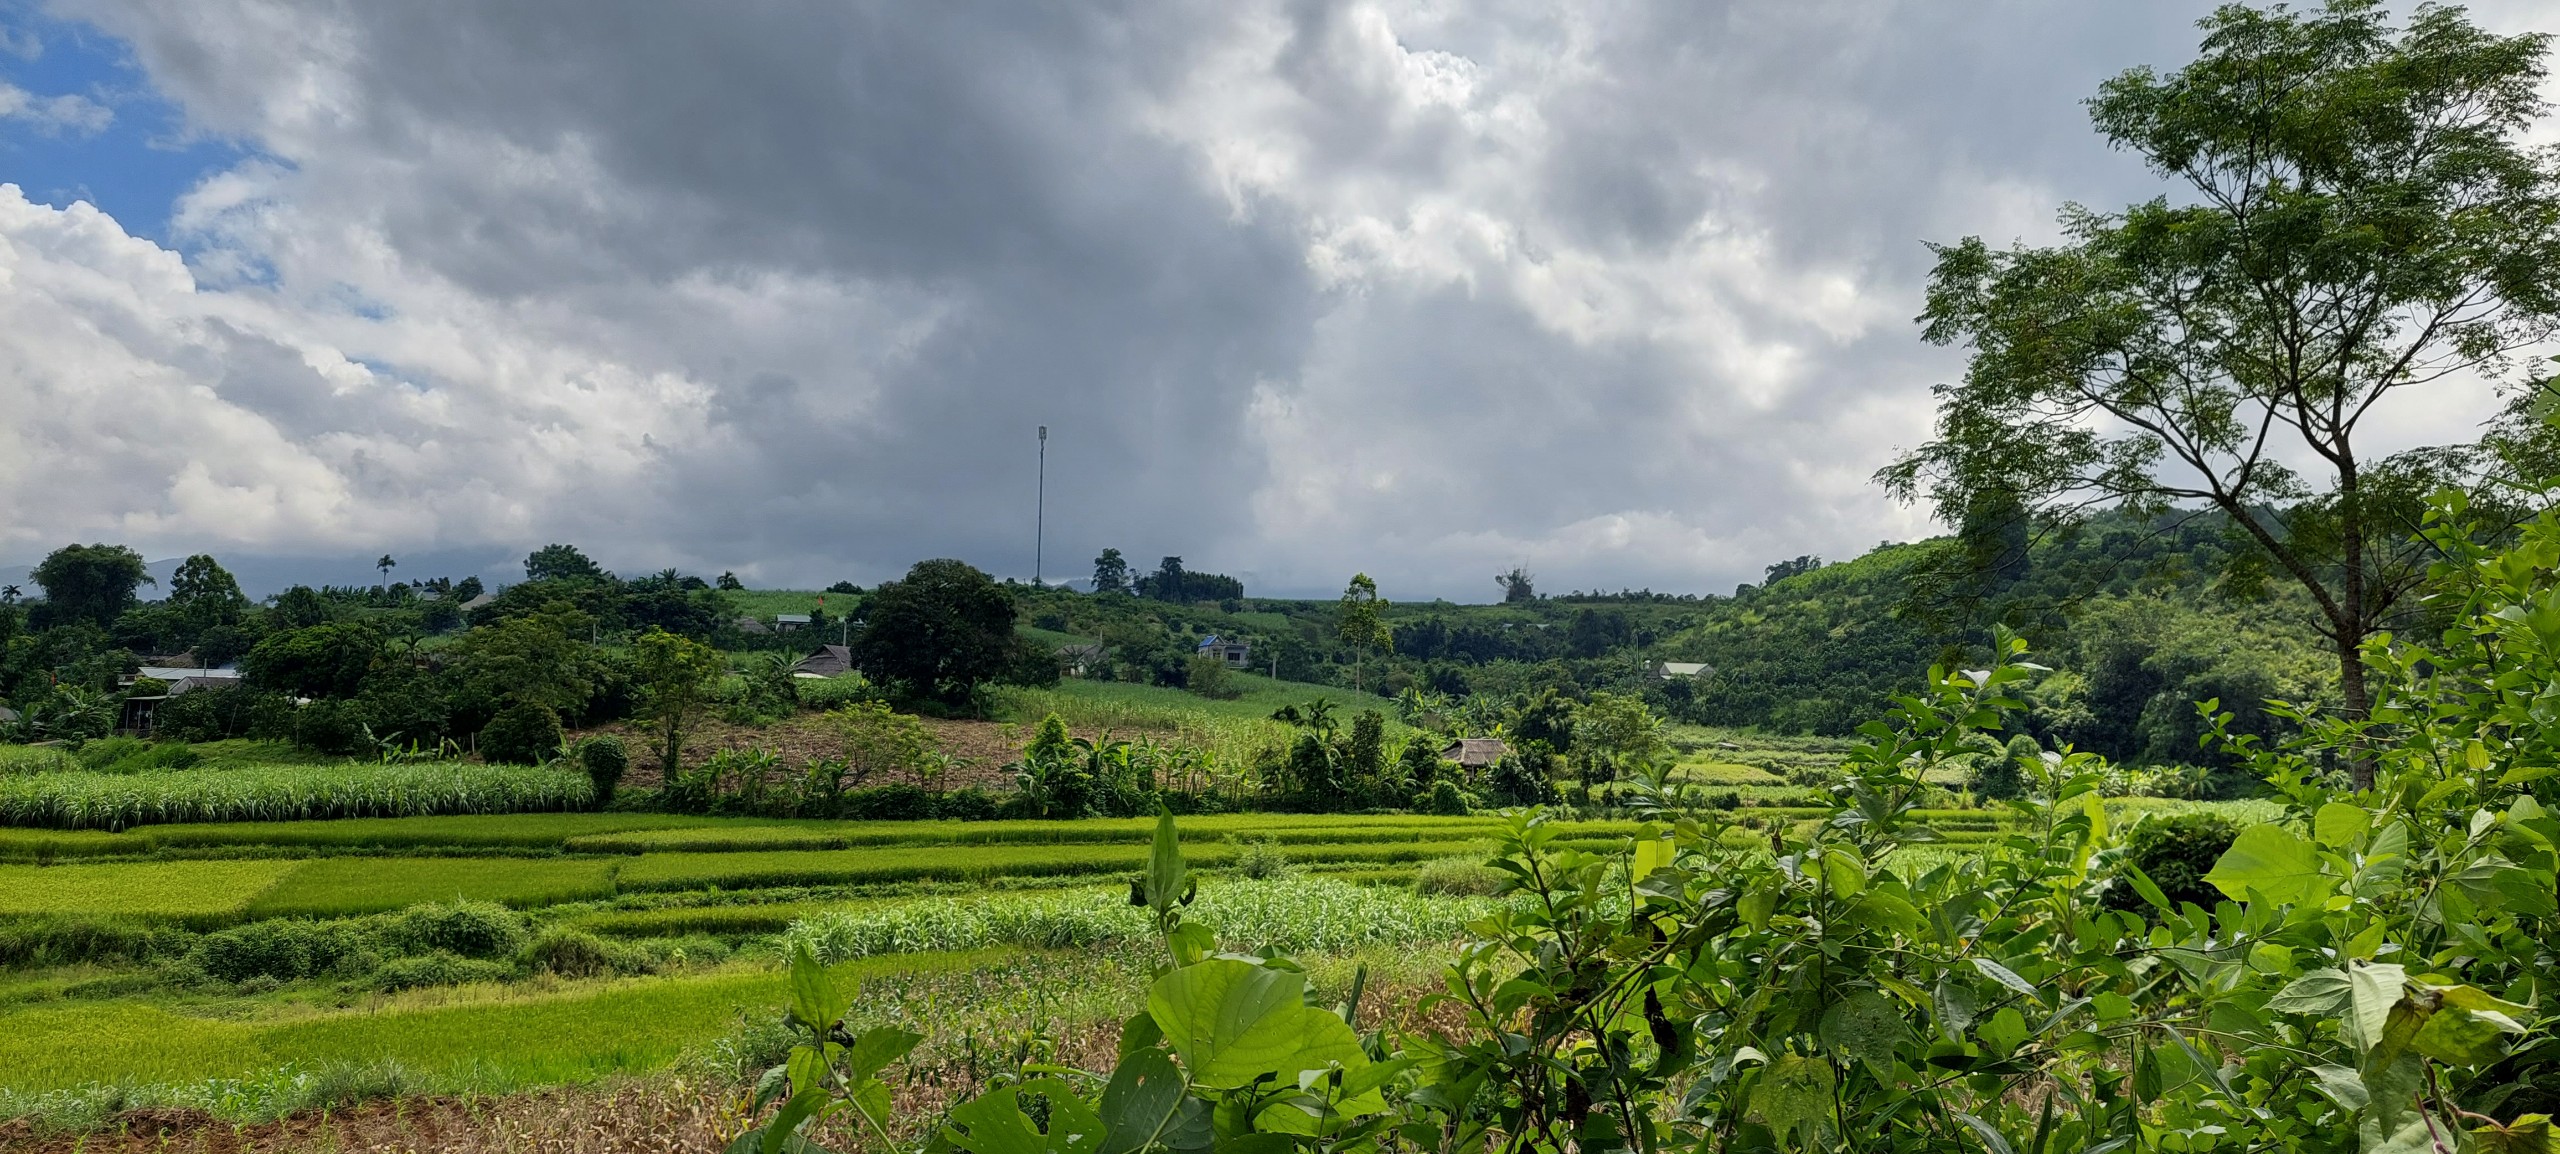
x=559 y=563
x=2365 y=220
x=90 y=583
x=939 y=632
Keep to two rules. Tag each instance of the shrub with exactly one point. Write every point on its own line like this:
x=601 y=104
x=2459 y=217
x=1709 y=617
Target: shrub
x=332 y=725
x=1459 y=877
x=2003 y=776
x=578 y=954
x=2175 y=851
x=971 y=804
x=1209 y=677
x=435 y=970
x=604 y=760
x=1521 y=779
x=467 y=928
x=65 y=941
x=1446 y=800
x=212 y=714
x=890 y=803
x=524 y=733
x=1262 y=860
x=283 y=949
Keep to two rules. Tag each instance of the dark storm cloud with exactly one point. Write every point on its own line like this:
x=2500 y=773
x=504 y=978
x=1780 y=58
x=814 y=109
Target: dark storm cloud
x=1618 y=290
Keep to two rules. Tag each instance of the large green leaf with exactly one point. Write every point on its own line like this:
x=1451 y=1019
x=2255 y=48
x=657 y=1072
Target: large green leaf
x=2270 y=861
x=815 y=1002
x=2321 y=993
x=2372 y=990
x=993 y=1122
x=1864 y=1026
x=1793 y=1090
x=1142 y=1105
x=1234 y=1022
x=2339 y=825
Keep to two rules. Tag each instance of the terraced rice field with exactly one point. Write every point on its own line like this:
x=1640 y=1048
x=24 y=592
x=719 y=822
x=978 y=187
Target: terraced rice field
x=344 y=930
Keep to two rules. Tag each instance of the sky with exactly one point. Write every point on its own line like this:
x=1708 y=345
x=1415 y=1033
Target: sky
x=1618 y=291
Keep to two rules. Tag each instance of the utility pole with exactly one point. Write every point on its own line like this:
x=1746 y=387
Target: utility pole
x=1040 y=509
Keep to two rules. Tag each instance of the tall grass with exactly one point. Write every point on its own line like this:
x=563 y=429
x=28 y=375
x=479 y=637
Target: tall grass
x=109 y=801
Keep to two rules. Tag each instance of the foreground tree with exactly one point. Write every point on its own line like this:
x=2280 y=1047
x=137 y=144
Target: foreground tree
x=92 y=583
x=2367 y=220
x=939 y=633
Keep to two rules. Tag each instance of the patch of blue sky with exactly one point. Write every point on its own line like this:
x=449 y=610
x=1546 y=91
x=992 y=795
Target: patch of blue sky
x=134 y=162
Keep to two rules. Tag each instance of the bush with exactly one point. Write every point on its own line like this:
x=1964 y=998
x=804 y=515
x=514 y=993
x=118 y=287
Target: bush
x=1209 y=677
x=890 y=803
x=524 y=733
x=66 y=941
x=1262 y=860
x=212 y=714
x=2175 y=850
x=470 y=929
x=1446 y=800
x=283 y=950
x=1521 y=779
x=971 y=804
x=2002 y=777
x=604 y=760
x=332 y=725
x=579 y=954
x=435 y=970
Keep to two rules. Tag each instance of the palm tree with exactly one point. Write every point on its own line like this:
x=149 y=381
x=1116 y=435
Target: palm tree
x=9 y=594
x=385 y=564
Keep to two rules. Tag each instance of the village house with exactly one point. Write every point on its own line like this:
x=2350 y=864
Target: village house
x=1235 y=653
x=1475 y=752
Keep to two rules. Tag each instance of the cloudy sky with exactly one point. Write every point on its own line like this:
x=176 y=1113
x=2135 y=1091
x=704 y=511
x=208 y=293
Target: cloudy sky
x=1619 y=290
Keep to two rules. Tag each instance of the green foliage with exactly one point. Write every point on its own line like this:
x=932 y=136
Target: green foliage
x=526 y=732
x=2004 y=777
x=2369 y=982
x=938 y=633
x=2174 y=852
x=327 y=660
x=540 y=658
x=92 y=583
x=573 y=953
x=1210 y=677
x=605 y=761
x=464 y=928
x=674 y=676
x=284 y=951
x=559 y=563
x=2368 y=198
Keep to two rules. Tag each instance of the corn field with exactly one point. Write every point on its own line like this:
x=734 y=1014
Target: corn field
x=85 y=800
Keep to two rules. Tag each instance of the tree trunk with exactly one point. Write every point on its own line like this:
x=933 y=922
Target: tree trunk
x=2357 y=621
x=2356 y=705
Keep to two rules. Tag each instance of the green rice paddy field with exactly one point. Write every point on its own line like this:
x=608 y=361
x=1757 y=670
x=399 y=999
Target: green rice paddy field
x=224 y=965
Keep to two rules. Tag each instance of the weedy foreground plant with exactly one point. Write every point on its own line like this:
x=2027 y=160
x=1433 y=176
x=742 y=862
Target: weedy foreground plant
x=2376 y=979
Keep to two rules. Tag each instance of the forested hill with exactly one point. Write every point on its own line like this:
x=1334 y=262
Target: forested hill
x=2137 y=618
